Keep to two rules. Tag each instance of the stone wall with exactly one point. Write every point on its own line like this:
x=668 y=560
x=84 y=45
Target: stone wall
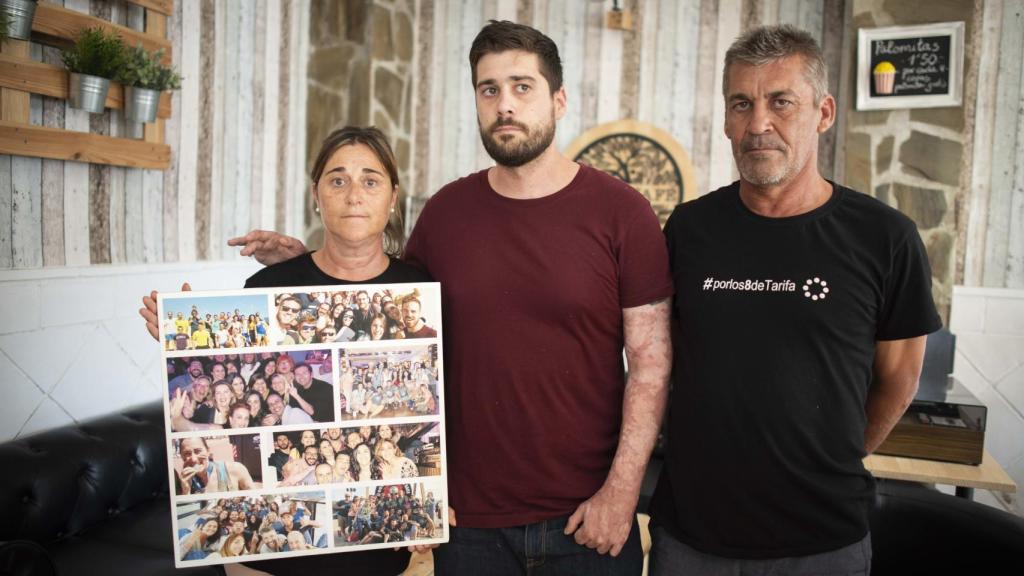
x=360 y=73
x=916 y=160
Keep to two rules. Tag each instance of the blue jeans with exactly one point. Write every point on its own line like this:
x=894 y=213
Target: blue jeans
x=539 y=549
x=670 y=556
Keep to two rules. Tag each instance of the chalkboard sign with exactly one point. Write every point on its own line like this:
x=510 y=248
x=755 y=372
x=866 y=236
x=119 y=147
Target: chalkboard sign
x=910 y=66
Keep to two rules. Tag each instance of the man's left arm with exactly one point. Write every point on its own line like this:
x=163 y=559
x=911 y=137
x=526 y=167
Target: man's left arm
x=603 y=522
x=896 y=370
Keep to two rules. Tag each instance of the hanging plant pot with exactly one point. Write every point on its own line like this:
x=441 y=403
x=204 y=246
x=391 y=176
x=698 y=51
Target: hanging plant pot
x=19 y=17
x=140 y=104
x=88 y=92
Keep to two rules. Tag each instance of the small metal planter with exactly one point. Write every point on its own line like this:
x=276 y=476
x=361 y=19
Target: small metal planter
x=88 y=92
x=19 y=17
x=140 y=104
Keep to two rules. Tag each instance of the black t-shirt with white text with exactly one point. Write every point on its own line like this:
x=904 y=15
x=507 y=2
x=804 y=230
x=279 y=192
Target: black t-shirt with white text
x=775 y=326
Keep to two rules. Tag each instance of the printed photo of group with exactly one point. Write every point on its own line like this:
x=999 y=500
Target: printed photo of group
x=388 y=382
x=388 y=514
x=215 y=322
x=312 y=425
x=355 y=315
x=250 y=390
x=253 y=525
x=363 y=454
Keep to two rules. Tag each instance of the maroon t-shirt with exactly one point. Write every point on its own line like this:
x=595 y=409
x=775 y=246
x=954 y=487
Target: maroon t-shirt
x=532 y=293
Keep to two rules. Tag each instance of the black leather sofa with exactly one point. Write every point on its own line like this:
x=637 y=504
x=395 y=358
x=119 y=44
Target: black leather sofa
x=92 y=499
x=89 y=499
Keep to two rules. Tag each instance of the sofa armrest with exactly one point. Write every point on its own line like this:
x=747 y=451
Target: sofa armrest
x=25 y=558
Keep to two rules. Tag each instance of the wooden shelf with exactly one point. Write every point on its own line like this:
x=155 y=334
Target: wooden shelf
x=58 y=22
x=21 y=76
x=48 y=80
x=42 y=142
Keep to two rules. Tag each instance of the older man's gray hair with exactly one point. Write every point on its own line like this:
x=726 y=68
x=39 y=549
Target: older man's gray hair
x=766 y=44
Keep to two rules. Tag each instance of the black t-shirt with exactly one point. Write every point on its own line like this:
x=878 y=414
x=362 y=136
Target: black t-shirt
x=302 y=271
x=776 y=325
x=321 y=396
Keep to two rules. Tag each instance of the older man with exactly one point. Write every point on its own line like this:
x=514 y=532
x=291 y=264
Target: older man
x=802 y=308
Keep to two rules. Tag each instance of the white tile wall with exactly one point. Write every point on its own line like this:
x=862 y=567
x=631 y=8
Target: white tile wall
x=72 y=345
x=989 y=325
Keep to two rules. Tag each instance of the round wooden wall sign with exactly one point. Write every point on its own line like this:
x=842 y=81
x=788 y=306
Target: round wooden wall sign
x=642 y=155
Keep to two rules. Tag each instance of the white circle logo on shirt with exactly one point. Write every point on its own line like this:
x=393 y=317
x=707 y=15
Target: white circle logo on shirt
x=815 y=289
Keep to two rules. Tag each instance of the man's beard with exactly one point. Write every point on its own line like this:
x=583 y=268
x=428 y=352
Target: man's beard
x=515 y=155
x=763 y=173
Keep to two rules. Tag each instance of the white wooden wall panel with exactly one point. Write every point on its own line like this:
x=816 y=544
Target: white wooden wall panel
x=297 y=181
x=1015 y=242
x=76 y=182
x=239 y=221
x=187 y=155
x=440 y=114
x=984 y=132
x=27 y=194
x=152 y=212
x=133 y=215
x=271 y=70
x=720 y=170
x=583 y=112
x=219 y=73
x=505 y=10
x=610 y=79
x=230 y=149
x=1005 y=151
x=6 y=197
x=256 y=131
x=648 y=59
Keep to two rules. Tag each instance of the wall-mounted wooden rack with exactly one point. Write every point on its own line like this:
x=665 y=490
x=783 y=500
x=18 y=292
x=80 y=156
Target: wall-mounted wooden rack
x=21 y=76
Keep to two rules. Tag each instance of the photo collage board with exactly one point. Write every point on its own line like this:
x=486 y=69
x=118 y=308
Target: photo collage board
x=304 y=420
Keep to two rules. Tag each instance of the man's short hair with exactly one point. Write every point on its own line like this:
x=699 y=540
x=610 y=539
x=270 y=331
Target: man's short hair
x=766 y=44
x=501 y=36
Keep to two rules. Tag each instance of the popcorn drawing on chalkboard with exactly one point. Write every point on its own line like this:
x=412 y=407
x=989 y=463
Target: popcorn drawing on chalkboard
x=885 y=77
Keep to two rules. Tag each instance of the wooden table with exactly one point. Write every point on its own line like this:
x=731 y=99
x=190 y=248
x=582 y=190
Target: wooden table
x=989 y=475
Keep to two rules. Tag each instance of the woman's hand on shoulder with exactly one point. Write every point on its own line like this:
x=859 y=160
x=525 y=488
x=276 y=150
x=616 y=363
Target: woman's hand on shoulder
x=269 y=247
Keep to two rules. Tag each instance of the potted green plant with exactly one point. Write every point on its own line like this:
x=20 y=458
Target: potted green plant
x=93 y=60
x=145 y=78
x=16 y=19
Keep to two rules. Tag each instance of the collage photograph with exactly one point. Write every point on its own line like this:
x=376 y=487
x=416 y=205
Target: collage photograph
x=208 y=322
x=252 y=526
x=352 y=316
x=346 y=455
x=386 y=514
x=250 y=390
x=388 y=382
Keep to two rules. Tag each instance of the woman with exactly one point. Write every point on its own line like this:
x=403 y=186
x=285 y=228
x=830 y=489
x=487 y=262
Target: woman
x=267 y=368
x=362 y=464
x=258 y=384
x=256 y=411
x=222 y=399
x=354 y=185
x=327 y=335
x=391 y=463
x=234 y=545
x=198 y=543
x=378 y=323
x=201 y=474
x=327 y=452
x=237 y=387
x=251 y=327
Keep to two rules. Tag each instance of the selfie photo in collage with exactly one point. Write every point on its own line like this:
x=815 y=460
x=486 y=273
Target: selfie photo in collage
x=253 y=525
x=359 y=454
x=351 y=316
x=248 y=390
